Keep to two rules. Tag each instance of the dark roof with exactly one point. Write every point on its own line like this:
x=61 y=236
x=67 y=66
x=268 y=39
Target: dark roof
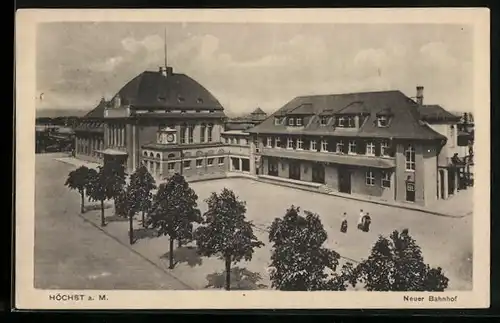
x=435 y=112
x=97 y=112
x=94 y=120
x=178 y=91
x=239 y=125
x=187 y=115
x=406 y=122
x=258 y=111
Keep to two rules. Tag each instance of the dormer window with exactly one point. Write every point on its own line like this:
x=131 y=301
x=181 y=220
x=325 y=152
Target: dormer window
x=291 y=121
x=341 y=122
x=324 y=121
x=382 y=121
x=298 y=122
x=349 y=122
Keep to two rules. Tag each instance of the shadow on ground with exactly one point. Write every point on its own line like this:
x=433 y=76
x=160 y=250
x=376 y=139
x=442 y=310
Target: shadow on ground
x=145 y=233
x=241 y=279
x=94 y=207
x=185 y=254
x=116 y=218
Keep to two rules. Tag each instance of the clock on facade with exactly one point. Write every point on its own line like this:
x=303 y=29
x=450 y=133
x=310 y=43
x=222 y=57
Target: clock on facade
x=170 y=137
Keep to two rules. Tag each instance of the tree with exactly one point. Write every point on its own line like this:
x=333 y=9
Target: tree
x=397 y=264
x=106 y=184
x=142 y=183
x=78 y=180
x=298 y=256
x=174 y=210
x=226 y=232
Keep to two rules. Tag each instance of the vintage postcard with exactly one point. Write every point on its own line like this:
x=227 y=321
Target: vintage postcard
x=252 y=159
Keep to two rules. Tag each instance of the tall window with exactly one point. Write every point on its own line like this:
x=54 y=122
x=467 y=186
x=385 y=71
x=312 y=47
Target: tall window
x=202 y=132
x=190 y=133
x=300 y=143
x=210 y=162
x=277 y=142
x=199 y=163
x=313 y=145
x=384 y=148
x=324 y=145
x=237 y=141
x=183 y=134
x=370 y=149
x=221 y=160
x=269 y=142
x=210 y=128
x=350 y=122
x=370 y=178
x=187 y=164
x=410 y=157
x=291 y=121
x=298 y=122
x=289 y=143
x=386 y=179
x=171 y=166
x=340 y=146
x=324 y=121
x=352 y=146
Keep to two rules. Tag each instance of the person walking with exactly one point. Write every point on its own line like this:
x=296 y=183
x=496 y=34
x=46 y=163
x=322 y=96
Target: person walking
x=366 y=222
x=343 y=226
x=360 y=220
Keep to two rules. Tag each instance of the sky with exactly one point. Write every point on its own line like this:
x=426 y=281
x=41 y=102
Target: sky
x=250 y=65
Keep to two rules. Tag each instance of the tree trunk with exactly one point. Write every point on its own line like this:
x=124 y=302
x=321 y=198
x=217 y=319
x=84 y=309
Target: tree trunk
x=131 y=228
x=143 y=220
x=103 y=222
x=228 y=272
x=82 y=204
x=171 y=254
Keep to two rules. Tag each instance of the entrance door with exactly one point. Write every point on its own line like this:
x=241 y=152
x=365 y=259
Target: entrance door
x=410 y=191
x=344 y=180
x=294 y=171
x=272 y=169
x=318 y=173
x=452 y=175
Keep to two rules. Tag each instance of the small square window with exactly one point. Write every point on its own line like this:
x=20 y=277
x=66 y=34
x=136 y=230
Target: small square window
x=171 y=166
x=324 y=121
x=382 y=121
x=298 y=122
x=291 y=121
x=277 y=121
x=210 y=161
x=187 y=164
x=199 y=163
x=221 y=160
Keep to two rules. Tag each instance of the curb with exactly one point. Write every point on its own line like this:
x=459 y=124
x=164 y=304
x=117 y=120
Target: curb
x=136 y=252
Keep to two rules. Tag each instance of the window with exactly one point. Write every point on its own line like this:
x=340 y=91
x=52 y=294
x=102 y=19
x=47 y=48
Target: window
x=382 y=121
x=171 y=166
x=300 y=143
x=410 y=158
x=386 y=179
x=190 y=133
x=202 y=132
x=291 y=121
x=313 y=145
x=289 y=143
x=277 y=121
x=237 y=141
x=158 y=169
x=269 y=142
x=277 y=142
x=324 y=145
x=183 y=134
x=199 y=163
x=324 y=121
x=210 y=128
x=227 y=140
x=187 y=164
x=298 y=122
x=370 y=178
x=340 y=146
x=221 y=160
x=341 y=122
x=245 y=141
x=210 y=162
x=352 y=146
x=370 y=148
x=384 y=148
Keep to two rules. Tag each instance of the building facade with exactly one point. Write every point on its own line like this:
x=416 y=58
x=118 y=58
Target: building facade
x=165 y=121
x=374 y=144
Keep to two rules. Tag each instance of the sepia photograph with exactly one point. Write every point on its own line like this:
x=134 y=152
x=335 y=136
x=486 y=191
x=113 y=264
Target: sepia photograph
x=252 y=163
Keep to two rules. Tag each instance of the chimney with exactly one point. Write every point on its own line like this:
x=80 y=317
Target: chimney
x=420 y=95
x=163 y=70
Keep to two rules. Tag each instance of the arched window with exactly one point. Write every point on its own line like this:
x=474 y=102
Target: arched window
x=171 y=155
x=145 y=153
x=158 y=156
x=151 y=155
